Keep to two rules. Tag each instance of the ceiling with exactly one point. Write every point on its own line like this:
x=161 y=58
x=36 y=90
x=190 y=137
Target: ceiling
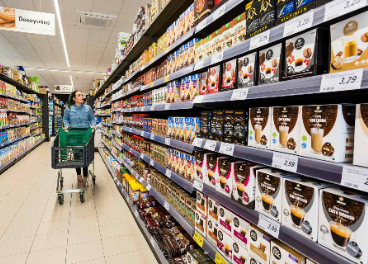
x=90 y=50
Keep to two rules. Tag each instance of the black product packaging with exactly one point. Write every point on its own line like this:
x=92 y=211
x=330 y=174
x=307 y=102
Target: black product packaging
x=247 y=70
x=270 y=63
x=213 y=123
x=240 y=127
x=252 y=21
x=205 y=124
x=229 y=76
x=283 y=8
x=228 y=126
x=322 y=2
x=260 y=16
x=219 y=125
x=306 y=54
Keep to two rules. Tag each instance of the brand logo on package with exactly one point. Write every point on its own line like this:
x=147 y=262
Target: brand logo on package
x=63 y=88
x=276 y=253
x=19 y=20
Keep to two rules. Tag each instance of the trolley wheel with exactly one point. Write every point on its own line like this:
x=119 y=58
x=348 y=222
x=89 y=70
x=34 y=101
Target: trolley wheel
x=61 y=198
x=94 y=179
x=61 y=183
x=81 y=196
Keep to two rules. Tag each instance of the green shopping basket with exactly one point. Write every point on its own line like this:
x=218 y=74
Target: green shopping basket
x=76 y=136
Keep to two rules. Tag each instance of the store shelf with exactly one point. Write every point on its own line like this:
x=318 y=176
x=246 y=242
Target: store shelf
x=107 y=146
x=116 y=134
x=13 y=97
x=126 y=94
x=189 y=148
x=104 y=106
x=106 y=134
x=102 y=115
x=17 y=84
x=116 y=145
x=106 y=124
x=160 y=107
x=17 y=111
x=13 y=141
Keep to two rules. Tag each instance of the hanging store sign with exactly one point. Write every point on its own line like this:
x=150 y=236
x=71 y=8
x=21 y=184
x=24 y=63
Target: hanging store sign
x=63 y=88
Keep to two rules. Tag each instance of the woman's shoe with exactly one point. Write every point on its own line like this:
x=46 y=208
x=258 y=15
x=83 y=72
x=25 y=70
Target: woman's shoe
x=80 y=178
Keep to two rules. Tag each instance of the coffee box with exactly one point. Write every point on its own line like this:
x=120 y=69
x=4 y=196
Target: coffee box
x=197 y=256
x=181 y=128
x=213 y=79
x=225 y=220
x=189 y=204
x=187 y=129
x=327 y=132
x=227 y=35
x=194 y=85
x=219 y=126
x=206 y=117
x=361 y=135
x=239 y=29
x=281 y=254
x=300 y=205
x=285 y=128
x=349 y=42
x=211 y=160
x=216 y=41
x=198 y=50
x=240 y=127
x=195 y=128
x=225 y=244
x=252 y=17
x=207 y=47
x=200 y=223
x=224 y=182
x=306 y=55
x=269 y=192
x=202 y=203
x=229 y=80
x=308 y=261
x=213 y=126
x=244 y=176
x=284 y=7
x=259 y=245
x=342 y=226
x=213 y=208
x=228 y=126
x=240 y=254
x=212 y=230
x=247 y=75
x=259 y=125
x=240 y=231
x=270 y=62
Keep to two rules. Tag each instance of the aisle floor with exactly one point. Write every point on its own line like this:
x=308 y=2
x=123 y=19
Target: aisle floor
x=35 y=229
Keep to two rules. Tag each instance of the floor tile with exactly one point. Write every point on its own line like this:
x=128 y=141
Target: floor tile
x=9 y=212
x=55 y=216
x=14 y=232
x=83 y=222
x=127 y=258
x=118 y=245
x=93 y=261
x=50 y=240
x=83 y=235
x=112 y=218
x=116 y=230
x=15 y=259
x=53 y=227
x=83 y=252
x=17 y=246
x=21 y=219
x=47 y=256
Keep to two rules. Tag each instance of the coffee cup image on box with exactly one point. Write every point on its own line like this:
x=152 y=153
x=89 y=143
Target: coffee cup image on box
x=259 y=129
x=269 y=64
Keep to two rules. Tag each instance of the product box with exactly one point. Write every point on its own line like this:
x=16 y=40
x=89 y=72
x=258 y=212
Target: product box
x=200 y=223
x=300 y=205
x=259 y=125
x=207 y=47
x=252 y=16
x=214 y=79
x=213 y=207
x=306 y=54
x=206 y=117
x=213 y=126
x=225 y=244
x=240 y=127
x=225 y=220
x=190 y=210
x=200 y=165
x=240 y=232
x=349 y=40
x=227 y=35
x=216 y=41
x=222 y=175
x=239 y=29
x=308 y=261
x=182 y=89
x=259 y=245
x=283 y=8
x=361 y=135
x=281 y=254
x=260 y=15
x=269 y=192
x=197 y=256
x=244 y=175
x=229 y=76
x=327 y=132
x=211 y=160
x=285 y=128
x=194 y=86
x=342 y=226
x=198 y=50
x=203 y=83
x=195 y=128
x=202 y=203
x=202 y=8
x=228 y=126
x=240 y=254
x=212 y=230
x=219 y=125
x=270 y=62
x=247 y=66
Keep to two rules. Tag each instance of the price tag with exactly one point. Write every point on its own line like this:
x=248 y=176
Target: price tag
x=198 y=99
x=239 y=94
x=269 y=225
x=130 y=130
x=152 y=84
x=340 y=7
x=142 y=155
x=299 y=23
x=198 y=185
x=198 y=239
x=210 y=145
x=219 y=12
x=355 y=177
x=142 y=133
x=341 y=81
x=219 y=259
x=167 y=50
x=152 y=108
x=167 y=206
x=148 y=187
x=217 y=57
x=136 y=214
x=197 y=142
x=201 y=25
x=152 y=136
x=168 y=173
x=227 y=149
x=152 y=162
x=285 y=162
x=130 y=203
x=167 y=141
x=141 y=179
x=152 y=241
x=142 y=108
x=198 y=65
x=260 y=40
x=167 y=106
x=167 y=78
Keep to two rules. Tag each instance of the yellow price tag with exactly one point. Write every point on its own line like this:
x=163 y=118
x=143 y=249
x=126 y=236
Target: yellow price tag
x=219 y=259
x=198 y=239
x=152 y=84
x=167 y=78
x=167 y=50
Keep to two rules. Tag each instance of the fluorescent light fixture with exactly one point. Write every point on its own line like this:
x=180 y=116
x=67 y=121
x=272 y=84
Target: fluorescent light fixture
x=71 y=79
x=61 y=30
x=70 y=71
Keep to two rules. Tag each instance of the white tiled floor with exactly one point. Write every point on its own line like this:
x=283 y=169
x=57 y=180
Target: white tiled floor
x=35 y=229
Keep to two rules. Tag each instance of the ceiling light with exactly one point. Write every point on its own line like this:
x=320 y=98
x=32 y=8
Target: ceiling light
x=69 y=71
x=61 y=30
x=71 y=79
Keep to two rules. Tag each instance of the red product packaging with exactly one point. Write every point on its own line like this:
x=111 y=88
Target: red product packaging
x=213 y=79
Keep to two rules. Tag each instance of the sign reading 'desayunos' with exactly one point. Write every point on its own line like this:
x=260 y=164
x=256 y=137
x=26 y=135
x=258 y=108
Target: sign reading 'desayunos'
x=13 y=19
x=63 y=88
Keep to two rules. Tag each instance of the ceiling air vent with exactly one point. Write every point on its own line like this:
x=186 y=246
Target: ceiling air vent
x=95 y=20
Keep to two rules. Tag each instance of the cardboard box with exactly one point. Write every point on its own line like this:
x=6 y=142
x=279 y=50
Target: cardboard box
x=252 y=17
x=190 y=203
x=270 y=64
x=241 y=118
x=259 y=125
x=216 y=41
x=308 y=261
x=214 y=79
x=361 y=135
x=194 y=86
x=202 y=203
x=259 y=245
x=201 y=223
x=229 y=122
x=197 y=256
x=241 y=232
x=198 y=50
x=202 y=8
x=207 y=46
x=211 y=162
x=213 y=126
x=213 y=209
x=327 y=132
x=195 y=127
x=282 y=254
x=212 y=230
x=284 y=7
x=200 y=165
x=206 y=117
x=203 y=85
x=240 y=254
x=225 y=220
x=219 y=125
x=229 y=76
x=247 y=70
x=239 y=29
x=227 y=35
x=225 y=244
x=224 y=182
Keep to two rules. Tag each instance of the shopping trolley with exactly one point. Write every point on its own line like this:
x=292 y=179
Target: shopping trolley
x=73 y=149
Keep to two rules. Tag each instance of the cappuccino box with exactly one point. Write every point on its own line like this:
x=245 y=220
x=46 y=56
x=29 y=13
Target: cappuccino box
x=281 y=254
x=200 y=223
x=270 y=64
x=285 y=128
x=361 y=135
x=225 y=220
x=202 y=203
x=211 y=162
x=212 y=230
x=349 y=40
x=228 y=126
x=269 y=192
x=241 y=231
x=259 y=245
x=225 y=244
x=259 y=125
x=327 y=132
x=229 y=76
x=213 y=209
x=247 y=75
x=342 y=226
x=241 y=118
x=300 y=205
x=224 y=182
x=200 y=165
x=240 y=254
x=306 y=55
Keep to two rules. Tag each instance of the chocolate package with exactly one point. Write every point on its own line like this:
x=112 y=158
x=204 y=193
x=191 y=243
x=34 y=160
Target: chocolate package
x=306 y=55
x=247 y=66
x=229 y=76
x=214 y=79
x=270 y=63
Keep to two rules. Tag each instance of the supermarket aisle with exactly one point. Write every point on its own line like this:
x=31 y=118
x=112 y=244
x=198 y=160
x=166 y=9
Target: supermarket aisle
x=34 y=228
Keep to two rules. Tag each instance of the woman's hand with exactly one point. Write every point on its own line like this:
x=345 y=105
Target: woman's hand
x=94 y=127
x=66 y=129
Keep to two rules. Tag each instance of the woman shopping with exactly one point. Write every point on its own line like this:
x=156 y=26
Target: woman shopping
x=78 y=114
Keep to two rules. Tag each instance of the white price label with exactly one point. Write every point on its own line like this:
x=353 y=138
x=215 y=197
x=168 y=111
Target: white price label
x=142 y=155
x=152 y=162
x=219 y=12
x=152 y=136
x=239 y=94
x=198 y=65
x=136 y=214
x=167 y=106
x=130 y=130
x=285 y=162
x=217 y=57
x=269 y=225
x=210 y=145
x=299 y=23
x=198 y=185
x=152 y=241
x=340 y=7
x=197 y=142
x=148 y=187
x=227 y=149
x=167 y=206
x=355 y=177
x=152 y=108
x=141 y=179
x=168 y=173
x=260 y=40
x=142 y=133
x=341 y=81
x=167 y=141
x=130 y=203
x=198 y=99
x=142 y=108
x=201 y=25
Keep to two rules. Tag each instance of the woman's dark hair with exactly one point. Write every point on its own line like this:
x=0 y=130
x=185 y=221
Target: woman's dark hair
x=71 y=96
